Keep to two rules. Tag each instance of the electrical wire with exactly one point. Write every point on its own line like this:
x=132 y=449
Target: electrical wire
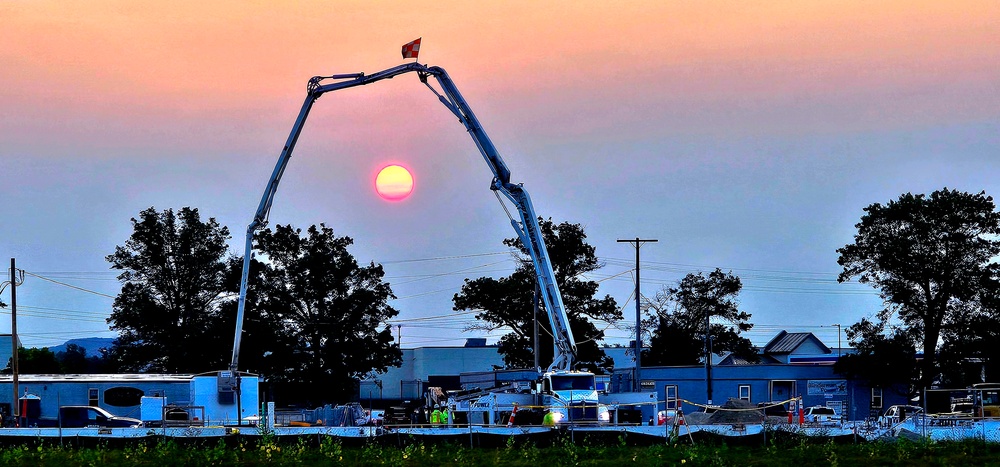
x=443 y=258
x=69 y=285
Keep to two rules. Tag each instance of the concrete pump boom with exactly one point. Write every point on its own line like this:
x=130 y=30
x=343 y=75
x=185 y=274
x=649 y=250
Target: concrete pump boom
x=527 y=228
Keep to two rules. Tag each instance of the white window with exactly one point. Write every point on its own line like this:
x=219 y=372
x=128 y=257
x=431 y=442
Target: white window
x=876 y=398
x=745 y=392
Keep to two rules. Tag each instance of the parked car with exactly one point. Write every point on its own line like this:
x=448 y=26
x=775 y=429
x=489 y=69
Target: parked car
x=899 y=413
x=81 y=416
x=821 y=415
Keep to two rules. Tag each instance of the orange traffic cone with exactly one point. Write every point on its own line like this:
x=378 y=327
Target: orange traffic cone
x=510 y=421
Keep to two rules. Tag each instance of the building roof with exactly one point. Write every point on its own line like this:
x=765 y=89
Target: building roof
x=787 y=342
x=732 y=359
x=110 y=378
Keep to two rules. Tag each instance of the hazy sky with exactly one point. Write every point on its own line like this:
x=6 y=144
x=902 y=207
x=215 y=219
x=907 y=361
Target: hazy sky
x=742 y=135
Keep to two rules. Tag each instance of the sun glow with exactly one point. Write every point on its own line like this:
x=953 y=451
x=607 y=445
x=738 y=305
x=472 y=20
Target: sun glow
x=394 y=183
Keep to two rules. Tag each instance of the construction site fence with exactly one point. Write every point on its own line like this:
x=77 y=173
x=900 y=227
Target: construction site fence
x=674 y=411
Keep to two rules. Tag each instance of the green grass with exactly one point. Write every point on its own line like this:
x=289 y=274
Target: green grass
x=561 y=453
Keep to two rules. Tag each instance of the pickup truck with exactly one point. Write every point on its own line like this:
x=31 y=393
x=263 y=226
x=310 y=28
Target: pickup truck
x=83 y=416
x=821 y=415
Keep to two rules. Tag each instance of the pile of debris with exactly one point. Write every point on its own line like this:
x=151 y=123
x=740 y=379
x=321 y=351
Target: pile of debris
x=736 y=411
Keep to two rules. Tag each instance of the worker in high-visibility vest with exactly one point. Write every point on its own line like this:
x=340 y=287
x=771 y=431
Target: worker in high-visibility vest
x=444 y=415
x=436 y=415
x=549 y=419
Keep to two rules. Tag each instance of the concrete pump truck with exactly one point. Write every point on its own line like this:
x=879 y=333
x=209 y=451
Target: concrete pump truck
x=567 y=394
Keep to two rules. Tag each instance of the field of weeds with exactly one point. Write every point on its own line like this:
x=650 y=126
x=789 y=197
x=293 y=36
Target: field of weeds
x=561 y=453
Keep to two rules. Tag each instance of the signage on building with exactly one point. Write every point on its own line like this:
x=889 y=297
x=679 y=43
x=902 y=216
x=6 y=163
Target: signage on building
x=827 y=387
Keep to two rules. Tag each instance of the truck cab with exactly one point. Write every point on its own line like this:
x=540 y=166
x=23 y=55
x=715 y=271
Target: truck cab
x=572 y=397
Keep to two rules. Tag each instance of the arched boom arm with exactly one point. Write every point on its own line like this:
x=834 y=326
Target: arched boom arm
x=527 y=229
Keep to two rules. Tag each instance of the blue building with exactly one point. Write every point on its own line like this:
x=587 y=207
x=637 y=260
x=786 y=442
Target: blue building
x=793 y=365
x=209 y=397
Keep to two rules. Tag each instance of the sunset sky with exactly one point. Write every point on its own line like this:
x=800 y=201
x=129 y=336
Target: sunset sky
x=742 y=135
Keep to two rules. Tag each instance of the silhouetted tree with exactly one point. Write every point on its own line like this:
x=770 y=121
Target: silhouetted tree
x=679 y=317
x=884 y=357
x=319 y=320
x=167 y=314
x=672 y=342
x=970 y=348
x=74 y=360
x=930 y=257
x=35 y=361
x=509 y=301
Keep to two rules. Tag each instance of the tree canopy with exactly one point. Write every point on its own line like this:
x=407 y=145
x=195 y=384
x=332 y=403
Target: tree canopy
x=509 y=301
x=316 y=321
x=168 y=314
x=678 y=320
x=319 y=321
x=970 y=348
x=883 y=356
x=930 y=257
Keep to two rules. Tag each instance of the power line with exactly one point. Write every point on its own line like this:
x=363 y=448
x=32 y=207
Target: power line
x=443 y=258
x=69 y=285
x=422 y=277
x=428 y=318
x=81 y=275
x=61 y=317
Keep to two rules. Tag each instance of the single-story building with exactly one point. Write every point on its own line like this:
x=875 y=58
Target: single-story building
x=210 y=397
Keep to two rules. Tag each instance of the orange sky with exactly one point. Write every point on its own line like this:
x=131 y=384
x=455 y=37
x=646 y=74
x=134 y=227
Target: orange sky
x=571 y=64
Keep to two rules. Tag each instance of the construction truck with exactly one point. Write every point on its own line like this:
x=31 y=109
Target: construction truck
x=986 y=399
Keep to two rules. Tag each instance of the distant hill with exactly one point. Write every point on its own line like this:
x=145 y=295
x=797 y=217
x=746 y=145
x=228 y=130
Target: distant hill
x=92 y=344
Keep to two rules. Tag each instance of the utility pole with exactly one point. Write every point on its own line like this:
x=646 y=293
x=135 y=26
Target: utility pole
x=638 y=314
x=13 y=339
x=708 y=356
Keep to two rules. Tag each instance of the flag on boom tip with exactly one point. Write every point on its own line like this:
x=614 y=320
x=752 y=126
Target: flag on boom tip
x=411 y=49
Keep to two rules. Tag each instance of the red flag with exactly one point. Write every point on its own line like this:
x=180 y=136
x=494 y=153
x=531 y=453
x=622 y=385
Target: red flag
x=411 y=49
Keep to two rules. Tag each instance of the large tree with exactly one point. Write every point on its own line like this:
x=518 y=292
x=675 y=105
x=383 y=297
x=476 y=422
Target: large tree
x=167 y=315
x=508 y=302
x=930 y=257
x=679 y=316
x=883 y=356
x=35 y=361
x=970 y=348
x=325 y=316
x=74 y=360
